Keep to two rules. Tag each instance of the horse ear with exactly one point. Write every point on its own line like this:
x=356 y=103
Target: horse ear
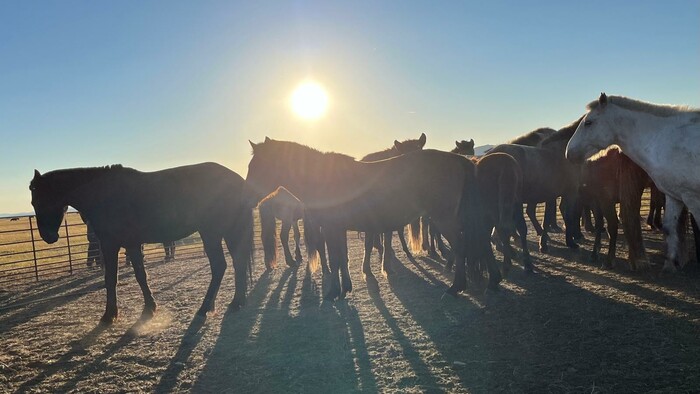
x=471 y=142
x=603 y=100
x=457 y=144
x=397 y=144
x=267 y=139
x=36 y=174
x=421 y=140
x=252 y=145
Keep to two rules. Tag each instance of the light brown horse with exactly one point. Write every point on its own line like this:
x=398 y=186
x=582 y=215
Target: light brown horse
x=342 y=194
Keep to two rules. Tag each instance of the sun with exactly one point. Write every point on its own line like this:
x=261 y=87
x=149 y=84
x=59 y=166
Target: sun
x=309 y=100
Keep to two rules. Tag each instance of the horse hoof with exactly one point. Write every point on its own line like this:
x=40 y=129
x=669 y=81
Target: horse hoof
x=606 y=266
x=544 y=249
x=433 y=255
x=370 y=278
x=572 y=245
x=237 y=304
x=108 y=319
x=450 y=291
x=387 y=272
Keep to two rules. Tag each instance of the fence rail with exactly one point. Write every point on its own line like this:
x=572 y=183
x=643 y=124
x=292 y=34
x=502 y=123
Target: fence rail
x=24 y=256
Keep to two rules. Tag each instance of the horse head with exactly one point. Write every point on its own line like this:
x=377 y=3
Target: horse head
x=593 y=133
x=264 y=167
x=464 y=147
x=49 y=205
x=410 y=145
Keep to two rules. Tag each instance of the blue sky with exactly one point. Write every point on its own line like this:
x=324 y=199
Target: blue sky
x=158 y=84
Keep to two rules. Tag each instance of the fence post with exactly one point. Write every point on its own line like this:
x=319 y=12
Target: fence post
x=31 y=231
x=70 y=259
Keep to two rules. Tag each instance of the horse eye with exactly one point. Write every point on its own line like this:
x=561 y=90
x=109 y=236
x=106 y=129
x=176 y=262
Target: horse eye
x=587 y=123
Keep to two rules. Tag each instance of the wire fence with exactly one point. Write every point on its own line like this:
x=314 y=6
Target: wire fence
x=25 y=257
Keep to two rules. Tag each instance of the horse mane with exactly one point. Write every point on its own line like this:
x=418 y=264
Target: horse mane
x=565 y=133
x=532 y=137
x=82 y=172
x=386 y=153
x=662 y=110
x=296 y=148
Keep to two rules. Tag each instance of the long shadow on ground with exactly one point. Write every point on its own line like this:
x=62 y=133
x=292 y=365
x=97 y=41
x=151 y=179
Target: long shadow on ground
x=554 y=336
x=282 y=349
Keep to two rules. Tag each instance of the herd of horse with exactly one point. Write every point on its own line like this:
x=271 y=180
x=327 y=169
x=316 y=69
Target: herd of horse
x=469 y=201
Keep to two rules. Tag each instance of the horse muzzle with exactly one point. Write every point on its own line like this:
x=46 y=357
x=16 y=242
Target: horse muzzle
x=49 y=237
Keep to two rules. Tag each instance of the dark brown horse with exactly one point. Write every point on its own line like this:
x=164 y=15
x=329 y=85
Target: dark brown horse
x=342 y=194
x=399 y=148
x=536 y=138
x=547 y=175
x=499 y=180
x=285 y=206
x=127 y=208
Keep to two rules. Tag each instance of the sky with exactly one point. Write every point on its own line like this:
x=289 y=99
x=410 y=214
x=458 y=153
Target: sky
x=158 y=84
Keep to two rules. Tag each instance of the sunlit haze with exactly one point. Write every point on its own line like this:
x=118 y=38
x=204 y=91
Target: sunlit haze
x=158 y=84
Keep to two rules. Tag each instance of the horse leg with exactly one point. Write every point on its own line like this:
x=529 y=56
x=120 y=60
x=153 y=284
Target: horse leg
x=506 y=249
x=297 y=242
x=459 y=283
x=366 y=269
x=217 y=263
x=611 y=217
x=696 y=237
x=284 y=238
x=335 y=254
x=389 y=255
x=404 y=245
x=110 y=254
x=426 y=235
x=587 y=220
x=532 y=214
x=521 y=227
x=240 y=246
x=670 y=226
x=149 y=308
x=378 y=244
x=346 y=281
x=571 y=220
x=550 y=216
x=598 y=216
x=445 y=252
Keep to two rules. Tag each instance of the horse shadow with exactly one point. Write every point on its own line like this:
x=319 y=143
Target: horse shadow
x=290 y=347
x=542 y=339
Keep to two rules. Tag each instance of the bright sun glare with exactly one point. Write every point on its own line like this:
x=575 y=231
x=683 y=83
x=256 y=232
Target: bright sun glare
x=309 y=100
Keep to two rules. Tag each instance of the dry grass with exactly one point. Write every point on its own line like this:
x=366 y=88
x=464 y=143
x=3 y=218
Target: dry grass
x=569 y=328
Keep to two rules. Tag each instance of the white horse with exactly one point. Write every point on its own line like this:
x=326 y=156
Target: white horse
x=662 y=139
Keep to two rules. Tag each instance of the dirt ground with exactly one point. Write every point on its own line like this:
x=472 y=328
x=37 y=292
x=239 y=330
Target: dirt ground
x=571 y=327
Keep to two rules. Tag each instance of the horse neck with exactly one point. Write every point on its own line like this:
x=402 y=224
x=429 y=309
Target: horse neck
x=634 y=132
x=73 y=183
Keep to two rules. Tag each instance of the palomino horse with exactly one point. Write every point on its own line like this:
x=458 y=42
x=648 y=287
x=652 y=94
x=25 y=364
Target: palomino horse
x=342 y=194
x=662 y=139
x=127 y=208
x=283 y=205
x=399 y=148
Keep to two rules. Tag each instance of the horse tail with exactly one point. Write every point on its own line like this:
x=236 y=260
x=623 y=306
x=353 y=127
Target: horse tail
x=268 y=227
x=312 y=238
x=416 y=240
